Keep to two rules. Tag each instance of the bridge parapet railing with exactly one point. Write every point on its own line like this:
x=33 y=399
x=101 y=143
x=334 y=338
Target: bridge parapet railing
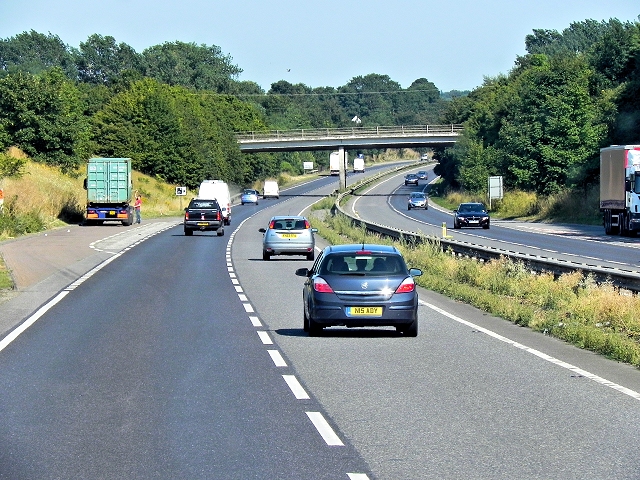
x=351 y=132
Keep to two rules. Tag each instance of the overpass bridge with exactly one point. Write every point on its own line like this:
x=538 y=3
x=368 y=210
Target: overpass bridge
x=349 y=138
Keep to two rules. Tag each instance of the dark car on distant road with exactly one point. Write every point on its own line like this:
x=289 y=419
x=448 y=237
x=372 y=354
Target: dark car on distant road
x=411 y=179
x=422 y=175
x=361 y=285
x=471 y=215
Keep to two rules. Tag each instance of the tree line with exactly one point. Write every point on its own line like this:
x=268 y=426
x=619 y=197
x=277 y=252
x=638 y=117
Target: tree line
x=174 y=108
x=541 y=125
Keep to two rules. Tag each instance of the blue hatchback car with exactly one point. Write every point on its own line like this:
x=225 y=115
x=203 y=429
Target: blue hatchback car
x=361 y=285
x=249 y=196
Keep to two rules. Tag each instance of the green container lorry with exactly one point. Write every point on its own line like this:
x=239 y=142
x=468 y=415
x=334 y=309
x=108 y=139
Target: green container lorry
x=109 y=191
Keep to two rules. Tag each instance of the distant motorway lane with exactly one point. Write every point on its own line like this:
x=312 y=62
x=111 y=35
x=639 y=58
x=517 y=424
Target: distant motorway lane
x=386 y=203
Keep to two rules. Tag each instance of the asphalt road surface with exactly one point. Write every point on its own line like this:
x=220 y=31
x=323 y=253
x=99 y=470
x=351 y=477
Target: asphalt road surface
x=162 y=356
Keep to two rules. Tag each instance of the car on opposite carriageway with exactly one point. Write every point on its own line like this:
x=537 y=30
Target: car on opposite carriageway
x=411 y=179
x=418 y=200
x=471 y=214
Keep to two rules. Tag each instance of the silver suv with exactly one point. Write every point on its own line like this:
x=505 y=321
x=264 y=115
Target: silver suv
x=288 y=235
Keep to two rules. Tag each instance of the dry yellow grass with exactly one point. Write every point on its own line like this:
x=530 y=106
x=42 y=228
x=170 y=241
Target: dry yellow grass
x=46 y=191
x=42 y=189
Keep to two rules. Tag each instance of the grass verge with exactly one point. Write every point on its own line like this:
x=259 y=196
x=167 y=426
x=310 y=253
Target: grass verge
x=599 y=318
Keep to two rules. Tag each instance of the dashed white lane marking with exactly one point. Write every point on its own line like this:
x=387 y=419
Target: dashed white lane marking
x=537 y=353
x=265 y=338
x=277 y=358
x=321 y=425
x=247 y=307
x=298 y=391
x=324 y=429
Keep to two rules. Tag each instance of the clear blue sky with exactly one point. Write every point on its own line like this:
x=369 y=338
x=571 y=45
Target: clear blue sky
x=454 y=44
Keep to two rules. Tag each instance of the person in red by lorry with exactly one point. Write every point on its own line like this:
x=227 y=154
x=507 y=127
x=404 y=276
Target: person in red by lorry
x=138 y=205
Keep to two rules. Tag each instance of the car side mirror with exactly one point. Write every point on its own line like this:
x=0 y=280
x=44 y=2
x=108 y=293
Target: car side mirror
x=262 y=230
x=314 y=230
x=415 y=272
x=455 y=211
x=302 y=272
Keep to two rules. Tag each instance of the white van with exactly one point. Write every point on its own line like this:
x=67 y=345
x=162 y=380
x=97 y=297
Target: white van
x=270 y=189
x=358 y=164
x=220 y=191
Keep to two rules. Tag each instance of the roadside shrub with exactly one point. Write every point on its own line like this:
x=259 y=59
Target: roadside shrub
x=517 y=204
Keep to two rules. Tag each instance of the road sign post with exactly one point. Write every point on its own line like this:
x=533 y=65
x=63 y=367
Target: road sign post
x=495 y=188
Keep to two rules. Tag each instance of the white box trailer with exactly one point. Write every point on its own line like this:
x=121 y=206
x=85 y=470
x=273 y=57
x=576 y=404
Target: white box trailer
x=219 y=190
x=620 y=189
x=334 y=163
x=358 y=164
x=270 y=189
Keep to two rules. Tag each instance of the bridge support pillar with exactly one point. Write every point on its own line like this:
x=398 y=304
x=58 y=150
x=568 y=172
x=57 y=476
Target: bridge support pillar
x=343 y=169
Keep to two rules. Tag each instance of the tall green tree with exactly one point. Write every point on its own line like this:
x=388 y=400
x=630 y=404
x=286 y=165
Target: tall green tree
x=200 y=67
x=34 y=52
x=100 y=60
x=371 y=98
x=551 y=125
x=42 y=114
x=176 y=135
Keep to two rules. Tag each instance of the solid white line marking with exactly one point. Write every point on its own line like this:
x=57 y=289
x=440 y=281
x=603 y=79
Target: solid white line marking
x=255 y=321
x=544 y=356
x=31 y=320
x=264 y=337
x=277 y=358
x=324 y=429
x=357 y=476
x=297 y=389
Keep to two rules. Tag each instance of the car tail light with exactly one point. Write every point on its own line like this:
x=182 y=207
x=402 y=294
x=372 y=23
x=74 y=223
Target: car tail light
x=363 y=252
x=407 y=286
x=321 y=286
x=307 y=225
x=272 y=224
x=218 y=216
